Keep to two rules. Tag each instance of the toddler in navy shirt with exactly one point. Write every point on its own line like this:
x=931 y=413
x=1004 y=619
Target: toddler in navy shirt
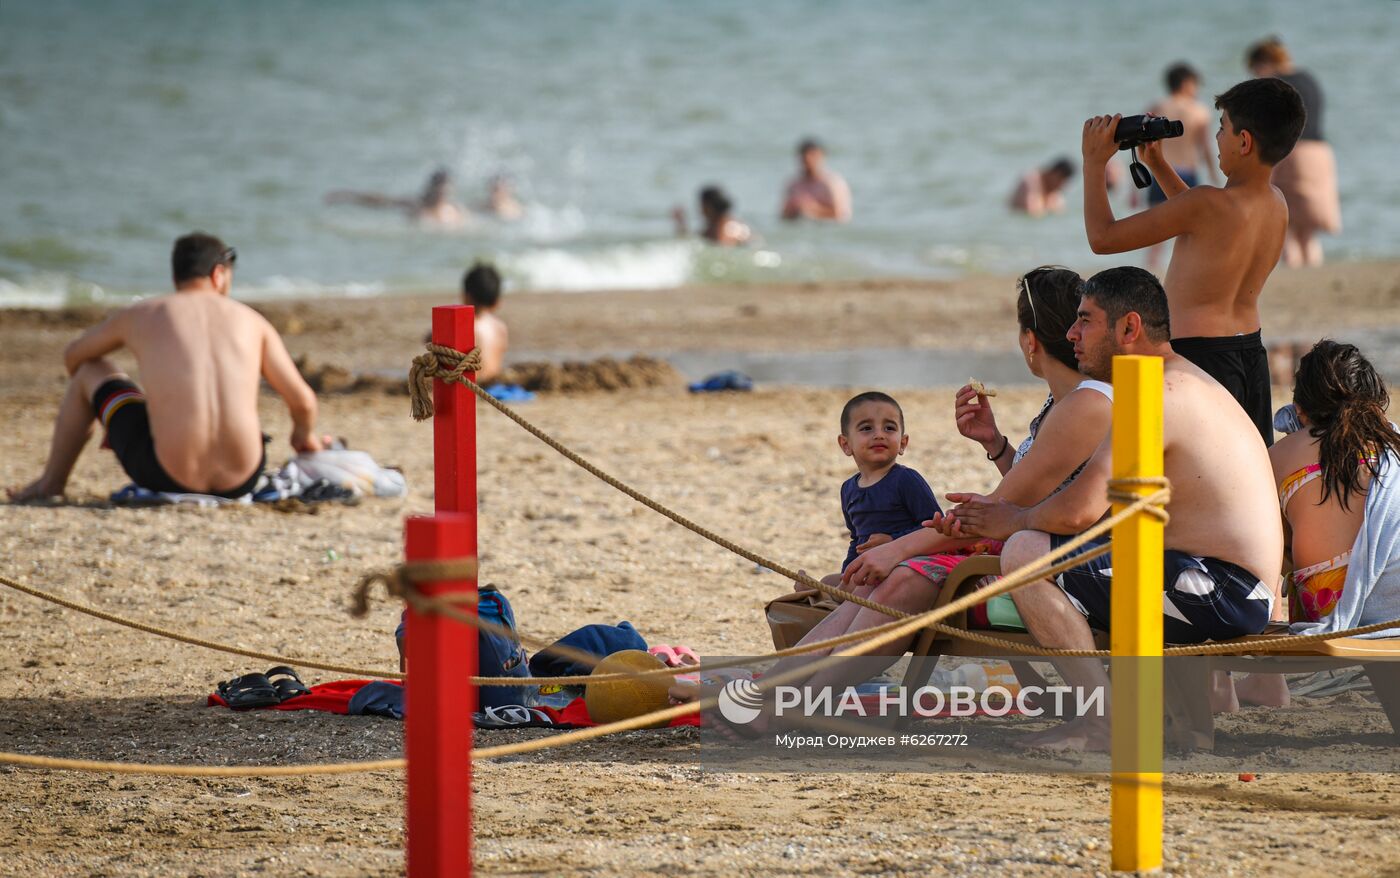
x=884 y=500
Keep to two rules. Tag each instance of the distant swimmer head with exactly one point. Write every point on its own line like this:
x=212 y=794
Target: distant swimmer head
x=481 y=285
x=1182 y=78
x=1058 y=173
x=812 y=154
x=714 y=203
x=439 y=187
x=199 y=256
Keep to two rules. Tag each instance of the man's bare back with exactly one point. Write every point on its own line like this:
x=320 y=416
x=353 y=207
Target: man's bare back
x=201 y=357
x=194 y=425
x=492 y=339
x=1223 y=502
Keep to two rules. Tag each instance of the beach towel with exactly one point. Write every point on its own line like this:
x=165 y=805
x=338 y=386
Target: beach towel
x=135 y=495
x=1372 y=589
x=386 y=698
x=269 y=489
x=1308 y=180
x=334 y=474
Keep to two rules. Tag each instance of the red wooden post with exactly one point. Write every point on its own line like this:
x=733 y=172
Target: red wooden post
x=454 y=424
x=441 y=654
x=440 y=701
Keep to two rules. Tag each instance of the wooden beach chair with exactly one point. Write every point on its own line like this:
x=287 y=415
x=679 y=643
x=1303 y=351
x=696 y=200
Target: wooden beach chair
x=1190 y=722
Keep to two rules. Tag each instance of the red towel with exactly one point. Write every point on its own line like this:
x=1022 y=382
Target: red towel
x=334 y=697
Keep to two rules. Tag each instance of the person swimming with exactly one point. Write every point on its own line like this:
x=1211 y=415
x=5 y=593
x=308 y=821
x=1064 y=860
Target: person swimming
x=501 y=201
x=435 y=205
x=717 y=212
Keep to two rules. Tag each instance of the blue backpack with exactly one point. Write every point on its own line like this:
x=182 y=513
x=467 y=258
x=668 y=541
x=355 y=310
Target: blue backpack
x=497 y=655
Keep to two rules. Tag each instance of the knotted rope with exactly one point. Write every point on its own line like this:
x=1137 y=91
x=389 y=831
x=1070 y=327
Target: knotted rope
x=444 y=363
x=402 y=582
x=1119 y=491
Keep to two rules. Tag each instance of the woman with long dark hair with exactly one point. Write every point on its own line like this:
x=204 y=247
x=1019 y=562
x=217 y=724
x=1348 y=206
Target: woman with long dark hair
x=1337 y=489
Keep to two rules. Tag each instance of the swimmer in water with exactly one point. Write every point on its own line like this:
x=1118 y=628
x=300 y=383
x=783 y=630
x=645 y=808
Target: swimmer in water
x=817 y=192
x=1038 y=191
x=717 y=211
x=501 y=201
x=435 y=206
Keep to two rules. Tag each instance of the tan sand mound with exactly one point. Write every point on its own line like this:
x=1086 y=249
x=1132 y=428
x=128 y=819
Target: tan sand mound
x=602 y=374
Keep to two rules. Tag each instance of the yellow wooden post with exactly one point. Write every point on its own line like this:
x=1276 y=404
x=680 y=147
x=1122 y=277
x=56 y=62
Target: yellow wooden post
x=1136 y=710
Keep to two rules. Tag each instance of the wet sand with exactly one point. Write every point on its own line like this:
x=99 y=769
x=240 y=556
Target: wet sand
x=569 y=551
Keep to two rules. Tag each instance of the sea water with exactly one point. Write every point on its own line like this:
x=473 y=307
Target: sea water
x=123 y=125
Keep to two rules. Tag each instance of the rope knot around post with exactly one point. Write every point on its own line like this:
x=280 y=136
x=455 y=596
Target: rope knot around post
x=1120 y=491
x=441 y=362
x=402 y=582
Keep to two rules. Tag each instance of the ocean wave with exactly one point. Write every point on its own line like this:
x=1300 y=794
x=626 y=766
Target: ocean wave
x=656 y=265
x=53 y=290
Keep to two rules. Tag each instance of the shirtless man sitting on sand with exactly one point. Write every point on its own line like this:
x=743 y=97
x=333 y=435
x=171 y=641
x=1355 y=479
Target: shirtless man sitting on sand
x=1224 y=541
x=195 y=426
x=817 y=193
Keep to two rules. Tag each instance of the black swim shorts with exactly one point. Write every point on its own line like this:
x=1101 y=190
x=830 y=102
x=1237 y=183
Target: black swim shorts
x=1202 y=598
x=1241 y=365
x=1156 y=196
x=121 y=409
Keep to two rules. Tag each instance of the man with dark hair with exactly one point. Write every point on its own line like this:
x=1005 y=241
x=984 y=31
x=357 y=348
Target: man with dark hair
x=1228 y=239
x=194 y=428
x=818 y=192
x=1224 y=541
x=481 y=288
x=1124 y=290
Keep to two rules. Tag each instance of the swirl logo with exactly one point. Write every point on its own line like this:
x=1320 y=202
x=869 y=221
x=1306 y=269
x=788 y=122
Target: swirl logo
x=740 y=701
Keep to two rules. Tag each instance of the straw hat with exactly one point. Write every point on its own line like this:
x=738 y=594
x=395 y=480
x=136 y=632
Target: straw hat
x=623 y=699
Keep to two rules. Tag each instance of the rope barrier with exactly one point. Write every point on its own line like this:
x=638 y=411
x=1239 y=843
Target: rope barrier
x=29 y=761
x=882 y=635
x=191 y=640
x=450 y=365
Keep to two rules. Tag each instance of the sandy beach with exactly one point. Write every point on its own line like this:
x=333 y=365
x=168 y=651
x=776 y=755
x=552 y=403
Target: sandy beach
x=568 y=551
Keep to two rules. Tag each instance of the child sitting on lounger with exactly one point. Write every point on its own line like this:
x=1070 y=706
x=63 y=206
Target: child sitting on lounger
x=884 y=500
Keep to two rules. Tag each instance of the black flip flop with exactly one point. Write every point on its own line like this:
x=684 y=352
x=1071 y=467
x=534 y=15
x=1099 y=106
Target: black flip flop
x=286 y=683
x=248 y=692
